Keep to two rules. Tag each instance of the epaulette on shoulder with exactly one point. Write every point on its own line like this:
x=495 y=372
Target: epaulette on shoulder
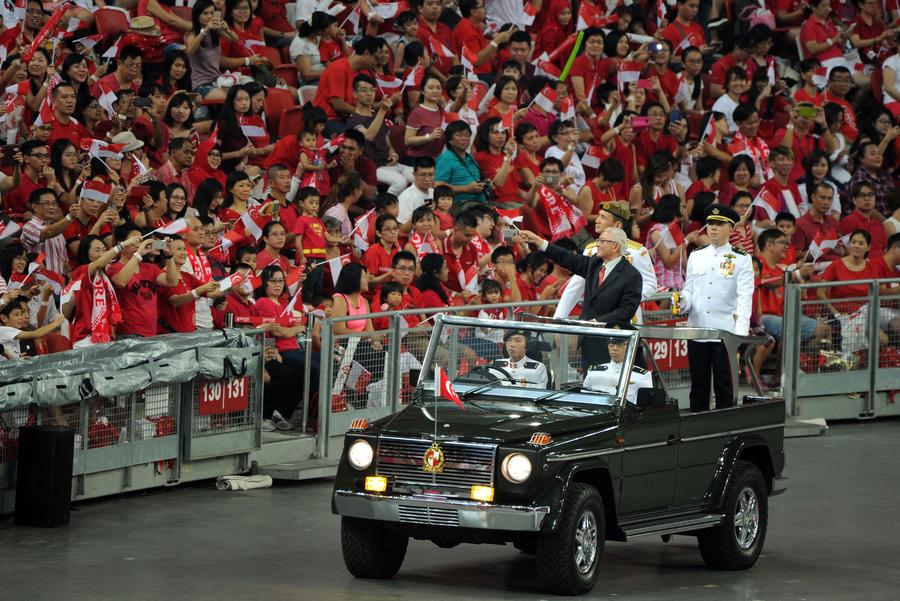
x=590 y=249
x=739 y=251
x=597 y=368
x=531 y=365
x=640 y=370
x=634 y=244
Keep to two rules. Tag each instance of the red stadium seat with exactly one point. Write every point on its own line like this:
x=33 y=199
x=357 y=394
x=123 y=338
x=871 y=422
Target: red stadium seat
x=277 y=102
x=291 y=121
x=289 y=74
x=270 y=54
x=181 y=11
x=110 y=22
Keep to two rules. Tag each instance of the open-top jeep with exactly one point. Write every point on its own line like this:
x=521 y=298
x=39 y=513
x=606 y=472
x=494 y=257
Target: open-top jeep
x=557 y=458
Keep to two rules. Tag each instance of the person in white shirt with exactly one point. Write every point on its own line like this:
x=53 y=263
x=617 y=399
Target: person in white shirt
x=524 y=370
x=564 y=136
x=14 y=318
x=605 y=378
x=421 y=190
x=736 y=85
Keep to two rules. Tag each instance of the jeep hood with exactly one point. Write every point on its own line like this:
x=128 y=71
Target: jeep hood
x=492 y=421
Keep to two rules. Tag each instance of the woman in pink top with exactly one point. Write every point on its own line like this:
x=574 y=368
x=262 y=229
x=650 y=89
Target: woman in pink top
x=348 y=298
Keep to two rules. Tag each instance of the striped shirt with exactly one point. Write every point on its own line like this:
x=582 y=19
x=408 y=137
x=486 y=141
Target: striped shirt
x=54 y=249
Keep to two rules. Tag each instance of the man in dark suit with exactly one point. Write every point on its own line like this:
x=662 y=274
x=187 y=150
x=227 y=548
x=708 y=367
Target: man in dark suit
x=612 y=291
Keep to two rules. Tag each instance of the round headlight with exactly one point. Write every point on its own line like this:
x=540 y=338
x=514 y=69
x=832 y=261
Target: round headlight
x=516 y=468
x=360 y=454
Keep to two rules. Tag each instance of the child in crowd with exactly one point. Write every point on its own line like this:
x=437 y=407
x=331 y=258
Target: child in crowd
x=787 y=225
x=488 y=340
x=309 y=231
x=421 y=240
x=313 y=169
x=14 y=319
x=408 y=24
x=443 y=200
x=391 y=299
x=247 y=256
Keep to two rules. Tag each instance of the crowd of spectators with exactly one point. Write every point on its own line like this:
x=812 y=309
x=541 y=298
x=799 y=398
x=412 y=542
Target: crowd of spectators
x=260 y=160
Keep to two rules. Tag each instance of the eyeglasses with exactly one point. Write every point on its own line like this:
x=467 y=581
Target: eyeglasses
x=405 y=269
x=865 y=195
x=39 y=155
x=599 y=240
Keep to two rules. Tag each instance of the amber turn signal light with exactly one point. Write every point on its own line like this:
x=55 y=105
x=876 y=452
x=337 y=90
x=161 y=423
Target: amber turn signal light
x=376 y=483
x=484 y=494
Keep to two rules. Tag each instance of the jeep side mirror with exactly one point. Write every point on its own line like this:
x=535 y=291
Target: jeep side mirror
x=650 y=397
x=414 y=377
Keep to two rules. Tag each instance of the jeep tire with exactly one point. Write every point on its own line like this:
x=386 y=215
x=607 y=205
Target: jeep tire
x=737 y=543
x=370 y=550
x=568 y=559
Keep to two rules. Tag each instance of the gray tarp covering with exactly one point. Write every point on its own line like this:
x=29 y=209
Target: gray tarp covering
x=127 y=366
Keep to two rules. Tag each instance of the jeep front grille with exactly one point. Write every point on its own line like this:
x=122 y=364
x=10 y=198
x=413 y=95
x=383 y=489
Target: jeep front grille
x=465 y=463
x=433 y=516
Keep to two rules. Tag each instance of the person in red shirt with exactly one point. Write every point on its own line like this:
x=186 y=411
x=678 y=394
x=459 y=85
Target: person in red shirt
x=854 y=266
x=89 y=217
x=379 y=256
x=869 y=34
x=781 y=186
x=654 y=138
x=62 y=124
x=309 y=230
x=736 y=58
x=589 y=71
x=798 y=136
x=279 y=177
x=127 y=73
x=495 y=151
x=684 y=31
x=176 y=305
x=600 y=189
x=335 y=92
x=659 y=68
x=469 y=34
x=840 y=82
x=136 y=281
x=532 y=271
x=435 y=34
x=865 y=218
x=273 y=239
x=458 y=253
x=619 y=143
x=819 y=35
x=817 y=222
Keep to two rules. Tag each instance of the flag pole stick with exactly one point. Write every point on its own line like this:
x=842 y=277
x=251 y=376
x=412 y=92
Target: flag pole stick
x=575 y=48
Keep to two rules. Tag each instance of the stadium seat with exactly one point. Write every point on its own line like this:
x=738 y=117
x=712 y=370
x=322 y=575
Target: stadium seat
x=270 y=54
x=181 y=11
x=277 y=102
x=291 y=121
x=110 y=21
x=289 y=74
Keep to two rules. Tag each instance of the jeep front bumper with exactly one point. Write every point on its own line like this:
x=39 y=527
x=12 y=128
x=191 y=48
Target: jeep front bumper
x=439 y=511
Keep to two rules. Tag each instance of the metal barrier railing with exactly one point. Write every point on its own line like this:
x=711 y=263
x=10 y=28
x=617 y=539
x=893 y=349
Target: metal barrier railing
x=856 y=363
x=166 y=402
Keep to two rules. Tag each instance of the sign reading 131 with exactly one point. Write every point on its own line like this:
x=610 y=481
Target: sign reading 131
x=224 y=396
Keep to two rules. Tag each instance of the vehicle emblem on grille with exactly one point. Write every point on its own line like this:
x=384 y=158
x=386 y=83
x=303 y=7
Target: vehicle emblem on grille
x=433 y=461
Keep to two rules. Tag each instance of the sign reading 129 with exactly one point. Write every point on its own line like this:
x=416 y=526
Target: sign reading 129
x=224 y=396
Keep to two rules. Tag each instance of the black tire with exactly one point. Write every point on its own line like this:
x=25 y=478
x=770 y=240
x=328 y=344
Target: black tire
x=561 y=568
x=737 y=543
x=370 y=551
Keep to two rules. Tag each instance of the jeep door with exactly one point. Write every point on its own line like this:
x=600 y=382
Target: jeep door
x=650 y=459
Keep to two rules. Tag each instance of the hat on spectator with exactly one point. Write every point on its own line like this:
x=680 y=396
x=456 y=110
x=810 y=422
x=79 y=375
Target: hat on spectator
x=144 y=25
x=512 y=333
x=720 y=213
x=129 y=140
x=617 y=208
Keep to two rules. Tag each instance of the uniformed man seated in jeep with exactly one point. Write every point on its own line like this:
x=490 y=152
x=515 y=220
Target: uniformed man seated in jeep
x=605 y=377
x=525 y=370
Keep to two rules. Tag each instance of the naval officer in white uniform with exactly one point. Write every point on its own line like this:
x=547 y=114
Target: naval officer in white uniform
x=605 y=377
x=524 y=370
x=718 y=293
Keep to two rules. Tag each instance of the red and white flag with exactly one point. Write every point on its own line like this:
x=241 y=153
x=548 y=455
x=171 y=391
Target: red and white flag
x=468 y=58
x=546 y=99
x=661 y=11
x=544 y=67
x=594 y=155
x=55 y=280
x=529 y=12
x=335 y=265
x=253 y=126
x=387 y=82
x=229 y=239
x=101 y=149
x=333 y=144
x=37 y=263
x=20 y=89
x=479 y=92
x=566 y=109
x=96 y=191
x=438 y=49
x=629 y=71
x=820 y=77
x=248 y=285
x=820 y=244
x=228 y=282
x=443 y=388
x=386 y=11
x=506 y=121
x=587 y=14
x=10 y=228
x=106 y=100
x=89 y=41
x=360 y=232
x=414 y=79
x=289 y=308
x=353 y=19
x=69 y=291
x=709 y=134
x=292 y=280
x=766 y=201
x=179 y=226
x=113 y=51
x=254 y=221
x=468 y=279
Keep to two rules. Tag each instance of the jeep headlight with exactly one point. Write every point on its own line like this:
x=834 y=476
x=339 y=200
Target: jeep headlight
x=360 y=454
x=516 y=468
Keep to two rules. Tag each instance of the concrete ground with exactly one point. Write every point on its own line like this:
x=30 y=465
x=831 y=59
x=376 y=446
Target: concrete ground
x=833 y=535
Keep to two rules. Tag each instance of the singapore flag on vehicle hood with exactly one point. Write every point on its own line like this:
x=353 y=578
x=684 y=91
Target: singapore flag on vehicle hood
x=443 y=388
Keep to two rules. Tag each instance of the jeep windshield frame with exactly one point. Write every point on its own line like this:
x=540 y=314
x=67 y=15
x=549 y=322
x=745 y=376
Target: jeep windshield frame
x=583 y=398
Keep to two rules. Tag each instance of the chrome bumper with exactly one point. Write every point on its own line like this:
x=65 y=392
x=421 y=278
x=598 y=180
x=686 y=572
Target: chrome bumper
x=440 y=511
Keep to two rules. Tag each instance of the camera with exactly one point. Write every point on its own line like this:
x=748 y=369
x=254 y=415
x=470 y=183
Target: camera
x=551 y=180
x=488 y=190
x=159 y=245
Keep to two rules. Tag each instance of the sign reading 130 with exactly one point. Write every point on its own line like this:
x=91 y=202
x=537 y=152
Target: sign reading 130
x=224 y=396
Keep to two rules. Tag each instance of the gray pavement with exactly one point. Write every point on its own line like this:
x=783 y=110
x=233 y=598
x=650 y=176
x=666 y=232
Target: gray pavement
x=832 y=536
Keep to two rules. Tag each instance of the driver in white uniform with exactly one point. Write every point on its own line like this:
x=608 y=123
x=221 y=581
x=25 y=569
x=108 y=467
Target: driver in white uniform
x=605 y=377
x=524 y=370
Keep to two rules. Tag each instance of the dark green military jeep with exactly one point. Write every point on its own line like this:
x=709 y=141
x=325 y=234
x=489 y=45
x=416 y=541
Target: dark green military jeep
x=556 y=458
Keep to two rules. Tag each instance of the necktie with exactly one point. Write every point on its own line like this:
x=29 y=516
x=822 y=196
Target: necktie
x=601 y=276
